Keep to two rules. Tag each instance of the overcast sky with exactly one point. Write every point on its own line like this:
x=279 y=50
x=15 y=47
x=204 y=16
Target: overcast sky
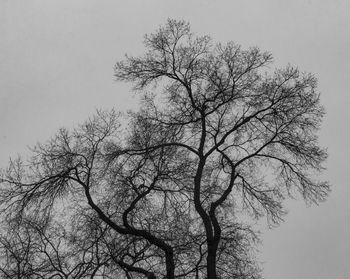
x=56 y=68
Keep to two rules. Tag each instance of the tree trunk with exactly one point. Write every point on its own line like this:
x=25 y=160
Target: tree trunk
x=211 y=260
x=170 y=265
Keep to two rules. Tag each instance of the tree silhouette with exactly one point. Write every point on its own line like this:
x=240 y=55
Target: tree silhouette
x=160 y=198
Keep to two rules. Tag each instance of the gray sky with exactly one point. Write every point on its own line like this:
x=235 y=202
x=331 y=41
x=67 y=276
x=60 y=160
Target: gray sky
x=56 y=68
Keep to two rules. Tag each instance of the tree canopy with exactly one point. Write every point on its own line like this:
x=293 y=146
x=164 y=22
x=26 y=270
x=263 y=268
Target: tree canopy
x=216 y=135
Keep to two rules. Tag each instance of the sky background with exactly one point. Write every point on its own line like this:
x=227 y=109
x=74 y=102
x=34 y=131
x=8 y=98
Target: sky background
x=56 y=69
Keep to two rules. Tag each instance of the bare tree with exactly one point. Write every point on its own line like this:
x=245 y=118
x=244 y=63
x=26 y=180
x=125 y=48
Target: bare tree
x=251 y=135
x=160 y=198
